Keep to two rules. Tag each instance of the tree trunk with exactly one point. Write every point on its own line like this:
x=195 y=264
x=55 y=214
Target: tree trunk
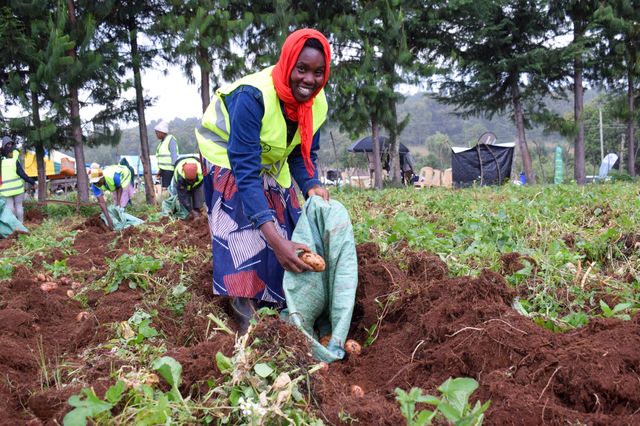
x=578 y=106
x=149 y=189
x=394 y=151
x=377 y=166
x=522 y=141
x=39 y=145
x=631 y=150
x=205 y=88
x=76 y=130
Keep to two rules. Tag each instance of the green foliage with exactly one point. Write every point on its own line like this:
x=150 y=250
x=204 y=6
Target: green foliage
x=453 y=405
x=136 y=269
x=616 y=311
x=91 y=406
x=57 y=268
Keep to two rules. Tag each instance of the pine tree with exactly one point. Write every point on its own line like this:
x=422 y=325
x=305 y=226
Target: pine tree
x=498 y=61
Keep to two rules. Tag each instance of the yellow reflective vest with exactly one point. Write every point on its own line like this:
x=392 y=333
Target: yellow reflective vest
x=180 y=172
x=109 y=174
x=213 y=134
x=163 y=153
x=12 y=184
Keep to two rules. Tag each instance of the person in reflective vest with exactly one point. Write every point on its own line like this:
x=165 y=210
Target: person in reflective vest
x=167 y=153
x=12 y=176
x=187 y=178
x=118 y=180
x=256 y=135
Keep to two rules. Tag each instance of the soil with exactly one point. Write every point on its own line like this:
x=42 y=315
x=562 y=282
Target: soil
x=431 y=327
x=440 y=327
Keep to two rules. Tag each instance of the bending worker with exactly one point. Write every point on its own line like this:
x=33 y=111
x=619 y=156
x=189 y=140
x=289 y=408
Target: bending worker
x=188 y=183
x=117 y=179
x=12 y=176
x=167 y=153
x=274 y=117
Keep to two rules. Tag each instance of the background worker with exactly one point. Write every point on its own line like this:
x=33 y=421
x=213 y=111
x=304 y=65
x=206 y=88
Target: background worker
x=12 y=176
x=118 y=180
x=188 y=183
x=274 y=117
x=167 y=153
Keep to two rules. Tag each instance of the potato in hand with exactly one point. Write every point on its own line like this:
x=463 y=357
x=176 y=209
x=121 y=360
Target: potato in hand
x=314 y=260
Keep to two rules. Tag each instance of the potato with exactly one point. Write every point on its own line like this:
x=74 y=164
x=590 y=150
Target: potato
x=82 y=316
x=324 y=340
x=352 y=347
x=357 y=391
x=41 y=277
x=65 y=281
x=314 y=260
x=48 y=286
x=75 y=285
x=70 y=293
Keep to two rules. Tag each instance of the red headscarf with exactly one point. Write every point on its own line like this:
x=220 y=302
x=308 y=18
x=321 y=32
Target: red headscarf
x=281 y=74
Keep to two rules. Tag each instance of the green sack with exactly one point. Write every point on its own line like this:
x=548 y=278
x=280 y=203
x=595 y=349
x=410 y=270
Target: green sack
x=171 y=206
x=8 y=221
x=120 y=219
x=321 y=303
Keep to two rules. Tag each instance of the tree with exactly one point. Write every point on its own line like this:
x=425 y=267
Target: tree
x=130 y=21
x=372 y=59
x=203 y=33
x=620 y=30
x=496 y=59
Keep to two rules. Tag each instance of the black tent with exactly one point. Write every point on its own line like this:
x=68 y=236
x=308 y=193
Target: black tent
x=483 y=164
x=366 y=145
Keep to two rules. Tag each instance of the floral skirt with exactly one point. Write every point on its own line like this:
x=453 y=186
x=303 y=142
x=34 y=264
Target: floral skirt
x=243 y=263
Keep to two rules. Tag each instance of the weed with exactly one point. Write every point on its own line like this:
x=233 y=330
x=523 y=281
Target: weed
x=57 y=268
x=453 y=405
x=136 y=269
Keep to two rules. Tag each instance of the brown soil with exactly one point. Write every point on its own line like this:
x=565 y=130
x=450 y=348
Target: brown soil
x=440 y=327
x=432 y=327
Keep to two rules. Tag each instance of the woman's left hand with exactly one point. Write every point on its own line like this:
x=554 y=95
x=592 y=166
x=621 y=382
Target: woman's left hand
x=320 y=191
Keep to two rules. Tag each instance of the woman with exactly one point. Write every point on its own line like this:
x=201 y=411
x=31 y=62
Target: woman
x=256 y=134
x=11 y=176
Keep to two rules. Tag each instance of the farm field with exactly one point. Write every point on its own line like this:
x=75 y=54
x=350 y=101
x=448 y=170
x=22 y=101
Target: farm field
x=531 y=291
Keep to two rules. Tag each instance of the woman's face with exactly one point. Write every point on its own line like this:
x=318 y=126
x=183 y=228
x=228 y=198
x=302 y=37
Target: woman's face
x=307 y=74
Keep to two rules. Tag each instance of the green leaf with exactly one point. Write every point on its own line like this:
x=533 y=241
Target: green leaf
x=114 y=393
x=425 y=417
x=263 y=370
x=169 y=369
x=223 y=362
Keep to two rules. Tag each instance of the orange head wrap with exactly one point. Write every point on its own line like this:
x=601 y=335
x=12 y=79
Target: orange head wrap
x=300 y=112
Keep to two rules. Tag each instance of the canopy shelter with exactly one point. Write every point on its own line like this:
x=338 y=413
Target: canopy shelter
x=56 y=164
x=486 y=163
x=366 y=145
x=406 y=160
x=136 y=163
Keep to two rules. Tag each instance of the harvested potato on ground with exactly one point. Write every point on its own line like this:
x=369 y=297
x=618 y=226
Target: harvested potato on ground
x=70 y=293
x=352 y=347
x=324 y=341
x=41 y=277
x=75 y=285
x=82 y=316
x=357 y=391
x=65 y=281
x=48 y=286
x=314 y=260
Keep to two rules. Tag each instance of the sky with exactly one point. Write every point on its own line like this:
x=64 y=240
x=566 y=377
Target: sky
x=175 y=97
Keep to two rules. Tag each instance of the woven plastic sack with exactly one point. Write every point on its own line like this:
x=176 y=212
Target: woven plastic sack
x=171 y=206
x=321 y=303
x=120 y=219
x=8 y=221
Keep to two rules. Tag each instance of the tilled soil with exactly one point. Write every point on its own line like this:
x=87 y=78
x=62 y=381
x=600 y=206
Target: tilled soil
x=432 y=327
x=439 y=327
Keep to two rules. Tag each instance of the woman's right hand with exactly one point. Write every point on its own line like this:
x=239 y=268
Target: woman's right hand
x=286 y=251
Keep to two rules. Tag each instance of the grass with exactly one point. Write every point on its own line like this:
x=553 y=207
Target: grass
x=573 y=236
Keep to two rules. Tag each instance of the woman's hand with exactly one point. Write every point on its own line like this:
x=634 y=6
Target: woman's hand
x=286 y=251
x=320 y=191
